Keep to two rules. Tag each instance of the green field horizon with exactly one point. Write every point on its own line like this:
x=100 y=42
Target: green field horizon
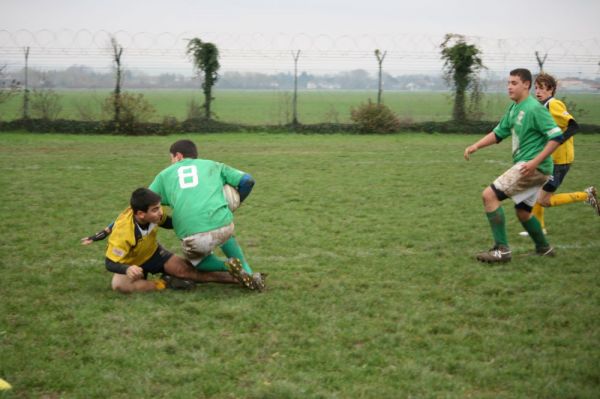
x=263 y=107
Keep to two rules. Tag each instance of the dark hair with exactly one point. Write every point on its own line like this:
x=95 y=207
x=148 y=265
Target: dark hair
x=187 y=148
x=523 y=73
x=546 y=80
x=142 y=199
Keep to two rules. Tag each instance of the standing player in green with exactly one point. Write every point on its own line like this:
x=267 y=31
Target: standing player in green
x=193 y=188
x=535 y=136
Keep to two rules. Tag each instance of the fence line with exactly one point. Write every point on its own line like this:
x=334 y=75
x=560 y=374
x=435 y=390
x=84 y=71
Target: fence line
x=257 y=52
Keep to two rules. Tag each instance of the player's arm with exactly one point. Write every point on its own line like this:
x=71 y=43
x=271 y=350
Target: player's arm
x=530 y=166
x=242 y=181
x=166 y=222
x=245 y=186
x=572 y=128
x=134 y=272
x=101 y=235
x=487 y=140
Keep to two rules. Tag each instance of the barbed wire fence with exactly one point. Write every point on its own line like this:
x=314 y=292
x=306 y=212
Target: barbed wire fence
x=321 y=54
x=268 y=53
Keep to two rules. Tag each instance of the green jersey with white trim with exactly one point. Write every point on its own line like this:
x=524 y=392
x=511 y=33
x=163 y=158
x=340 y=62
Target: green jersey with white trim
x=193 y=188
x=531 y=127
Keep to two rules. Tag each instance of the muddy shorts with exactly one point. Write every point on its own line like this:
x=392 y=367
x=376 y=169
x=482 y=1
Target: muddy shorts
x=198 y=246
x=521 y=189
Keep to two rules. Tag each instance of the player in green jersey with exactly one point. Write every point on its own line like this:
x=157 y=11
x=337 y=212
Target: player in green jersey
x=193 y=188
x=535 y=136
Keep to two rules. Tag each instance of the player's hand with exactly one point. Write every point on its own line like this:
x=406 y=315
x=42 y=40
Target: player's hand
x=528 y=168
x=86 y=241
x=469 y=150
x=135 y=272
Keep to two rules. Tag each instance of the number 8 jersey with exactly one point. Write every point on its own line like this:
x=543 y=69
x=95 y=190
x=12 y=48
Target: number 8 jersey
x=193 y=188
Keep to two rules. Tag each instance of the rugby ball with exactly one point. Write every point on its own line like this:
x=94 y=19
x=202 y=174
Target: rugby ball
x=232 y=196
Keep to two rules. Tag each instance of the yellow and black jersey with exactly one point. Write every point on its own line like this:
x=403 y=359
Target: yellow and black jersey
x=564 y=154
x=128 y=243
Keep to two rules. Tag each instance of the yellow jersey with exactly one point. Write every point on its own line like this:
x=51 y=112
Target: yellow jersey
x=128 y=243
x=564 y=154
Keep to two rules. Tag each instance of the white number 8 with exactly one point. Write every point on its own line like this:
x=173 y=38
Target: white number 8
x=188 y=176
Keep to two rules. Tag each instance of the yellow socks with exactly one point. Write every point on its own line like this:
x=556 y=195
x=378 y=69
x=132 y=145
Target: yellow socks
x=568 y=198
x=160 y=284
x=538 y=212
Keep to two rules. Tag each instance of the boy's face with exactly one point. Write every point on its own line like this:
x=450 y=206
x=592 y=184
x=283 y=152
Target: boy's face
x=542 y=92
x=517 y=89
x=154 y=214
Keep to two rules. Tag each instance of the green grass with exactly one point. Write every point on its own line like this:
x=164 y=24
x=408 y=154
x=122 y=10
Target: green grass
x=274 y=107
x=373 y=289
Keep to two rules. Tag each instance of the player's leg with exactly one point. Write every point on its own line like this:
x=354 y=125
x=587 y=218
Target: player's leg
x=534 y=229
x=232 y=249
x=538 y=209
x=492 y=204
x=178 y=267
x=122 y=283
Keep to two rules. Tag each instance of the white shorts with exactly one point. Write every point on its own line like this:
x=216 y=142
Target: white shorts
x=198 y=246
x=518 y=187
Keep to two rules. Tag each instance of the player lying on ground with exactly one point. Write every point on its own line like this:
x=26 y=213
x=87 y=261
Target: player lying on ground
x=133 y=251
x=535 y=136
x=563 y=157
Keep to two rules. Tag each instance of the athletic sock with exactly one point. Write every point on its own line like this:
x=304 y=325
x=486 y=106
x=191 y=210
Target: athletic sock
x=568 y=198
x=231 y=249
x=211 y=264
x=160 y=284
x=534 y=228
x=538 y=212
x=498 y=225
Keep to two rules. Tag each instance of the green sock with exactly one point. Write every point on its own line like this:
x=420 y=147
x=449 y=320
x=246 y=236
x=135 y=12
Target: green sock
x=498 y=225
x=211 y=264
x=534 y=228
x=233 y=250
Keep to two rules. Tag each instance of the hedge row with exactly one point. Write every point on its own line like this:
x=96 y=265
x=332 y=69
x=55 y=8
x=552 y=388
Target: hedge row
x=212 y=126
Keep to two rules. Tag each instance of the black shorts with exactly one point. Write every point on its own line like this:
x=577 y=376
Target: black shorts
x=156 y=264
x=560 y=171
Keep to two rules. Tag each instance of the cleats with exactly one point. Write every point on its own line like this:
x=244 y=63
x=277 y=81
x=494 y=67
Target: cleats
x=545 y=251
x=592 y=198
x=176 y=283
x=254 y=282
x=498 y=254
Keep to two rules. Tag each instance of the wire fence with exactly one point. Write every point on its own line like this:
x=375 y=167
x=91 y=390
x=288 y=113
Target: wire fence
x=272 y=53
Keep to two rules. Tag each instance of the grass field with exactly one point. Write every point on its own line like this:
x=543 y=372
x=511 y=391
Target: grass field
x=373 y=288
x=274 y=107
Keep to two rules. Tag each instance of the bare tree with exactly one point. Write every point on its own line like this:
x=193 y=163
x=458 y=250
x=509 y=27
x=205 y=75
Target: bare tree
x=380 y=58
x=295 y=55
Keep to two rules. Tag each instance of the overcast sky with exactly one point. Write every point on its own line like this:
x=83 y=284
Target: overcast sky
x=574 y=19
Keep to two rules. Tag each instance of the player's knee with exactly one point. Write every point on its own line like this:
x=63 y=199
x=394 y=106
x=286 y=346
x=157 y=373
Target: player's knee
x=523 y=215
x=488 y=195
x=545 y=202
x=121 y=286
